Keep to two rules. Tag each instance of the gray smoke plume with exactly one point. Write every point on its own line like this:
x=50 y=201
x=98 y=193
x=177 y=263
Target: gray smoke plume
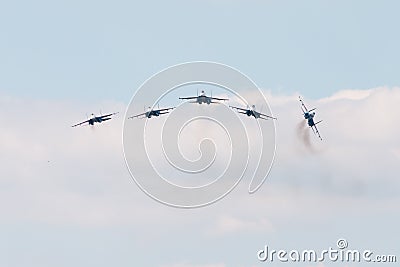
x=303 y=133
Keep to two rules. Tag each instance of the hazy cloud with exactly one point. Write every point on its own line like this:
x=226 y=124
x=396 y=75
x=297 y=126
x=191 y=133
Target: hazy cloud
x=231 y=225
x=53 y=174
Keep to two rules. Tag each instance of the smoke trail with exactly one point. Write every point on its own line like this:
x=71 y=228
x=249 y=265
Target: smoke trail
x=303 y=133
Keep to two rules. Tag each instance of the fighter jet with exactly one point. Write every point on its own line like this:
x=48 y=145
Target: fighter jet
x=152 y=112
x=99 y=119
x=251 y=111
x=203 y=98
x=309 y=116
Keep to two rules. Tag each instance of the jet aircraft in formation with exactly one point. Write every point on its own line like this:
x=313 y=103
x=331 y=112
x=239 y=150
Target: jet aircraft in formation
x=152 y=112
x=203 y=98
x=251 y=111
x=309 y=116
x=96 y=119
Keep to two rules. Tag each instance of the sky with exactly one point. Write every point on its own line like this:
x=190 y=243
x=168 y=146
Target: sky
x=67 y=198
x=60 y=50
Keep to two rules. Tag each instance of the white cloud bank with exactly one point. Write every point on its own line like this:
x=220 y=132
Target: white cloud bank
x=51 y=172
x=54 y=174
x=226 y=225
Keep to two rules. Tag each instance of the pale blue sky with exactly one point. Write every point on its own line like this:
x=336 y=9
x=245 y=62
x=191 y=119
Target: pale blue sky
x=106 y=49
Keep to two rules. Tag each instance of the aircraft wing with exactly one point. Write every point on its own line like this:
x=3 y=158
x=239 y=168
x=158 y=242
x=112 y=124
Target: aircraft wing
x=266 y=116
x=136 y=116
x=163 y=109
x=216 y=98
x=108 y=115
x=316 y=130
x=189 y=97
x=80 y=123
x=304 y=108
x=243 y=109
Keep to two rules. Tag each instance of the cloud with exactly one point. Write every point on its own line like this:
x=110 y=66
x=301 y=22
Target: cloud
x=226 y=225
x=356 y=132
x=57 y=174
x=396 y=152
x=53 y=174
x=349 y=95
